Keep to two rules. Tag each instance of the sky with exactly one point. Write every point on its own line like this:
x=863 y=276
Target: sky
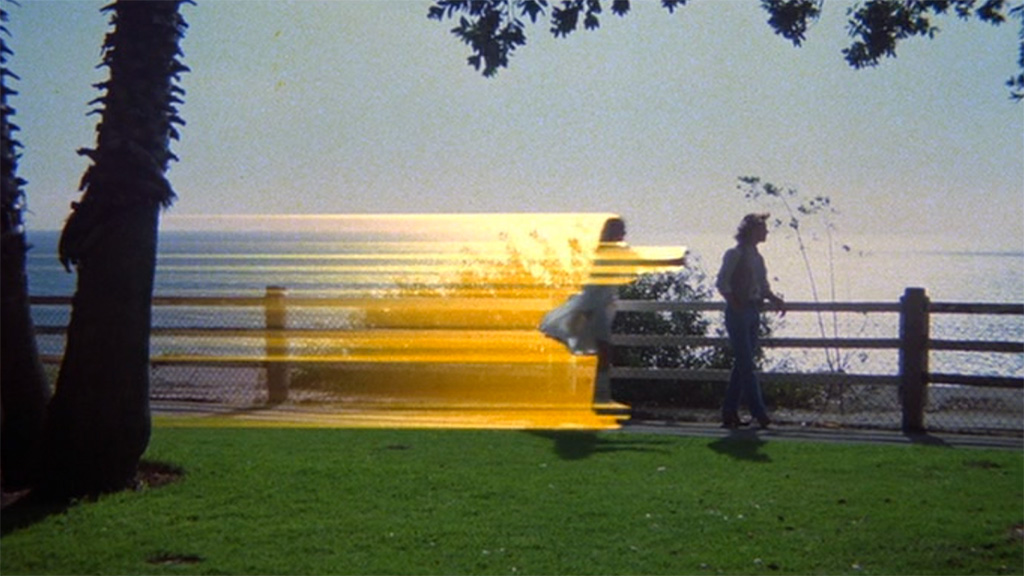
x=367 y=107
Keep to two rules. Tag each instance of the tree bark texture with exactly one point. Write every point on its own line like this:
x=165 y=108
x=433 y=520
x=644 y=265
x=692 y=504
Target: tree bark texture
x=98 y=422
x=24 y=390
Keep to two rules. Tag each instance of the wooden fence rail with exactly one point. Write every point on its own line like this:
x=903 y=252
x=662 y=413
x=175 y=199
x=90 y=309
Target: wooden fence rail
x=912 y=375
x=913 y=343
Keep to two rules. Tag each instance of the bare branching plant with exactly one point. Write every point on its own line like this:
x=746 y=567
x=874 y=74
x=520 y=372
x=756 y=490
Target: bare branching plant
x=799 y=213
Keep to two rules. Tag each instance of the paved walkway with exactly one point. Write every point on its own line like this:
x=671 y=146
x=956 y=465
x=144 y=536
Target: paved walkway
x=191 y=414
x=812 y=434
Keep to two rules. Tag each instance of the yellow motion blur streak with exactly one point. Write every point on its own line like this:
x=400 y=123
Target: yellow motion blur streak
x=445 y=338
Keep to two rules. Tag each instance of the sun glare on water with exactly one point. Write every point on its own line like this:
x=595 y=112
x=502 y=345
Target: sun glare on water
x=433 y=322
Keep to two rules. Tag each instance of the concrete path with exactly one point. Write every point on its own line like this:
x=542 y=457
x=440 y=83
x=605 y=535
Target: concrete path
x=190 y=414
x=811 y=434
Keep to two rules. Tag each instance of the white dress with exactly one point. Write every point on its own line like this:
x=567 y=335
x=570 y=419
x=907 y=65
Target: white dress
x=583 y=320
x=586 y=317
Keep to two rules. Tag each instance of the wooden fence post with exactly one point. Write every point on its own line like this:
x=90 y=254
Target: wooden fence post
x=276 y=345
x=914 y=358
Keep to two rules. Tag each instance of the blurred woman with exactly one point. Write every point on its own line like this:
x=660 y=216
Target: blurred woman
x=584 y=322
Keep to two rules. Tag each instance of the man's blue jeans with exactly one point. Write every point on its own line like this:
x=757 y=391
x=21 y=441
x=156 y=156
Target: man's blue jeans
x=742 y=325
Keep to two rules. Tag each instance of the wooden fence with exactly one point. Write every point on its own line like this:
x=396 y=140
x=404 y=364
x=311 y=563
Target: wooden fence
x=914 y=342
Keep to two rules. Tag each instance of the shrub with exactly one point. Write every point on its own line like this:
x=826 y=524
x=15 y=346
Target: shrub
x=687 y=285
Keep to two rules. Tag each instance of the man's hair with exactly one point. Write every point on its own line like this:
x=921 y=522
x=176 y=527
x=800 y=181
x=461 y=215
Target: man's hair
x=749 y=223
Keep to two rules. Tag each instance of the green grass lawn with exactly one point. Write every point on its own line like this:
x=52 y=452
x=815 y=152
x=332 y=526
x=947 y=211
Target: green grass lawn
x=329 y=501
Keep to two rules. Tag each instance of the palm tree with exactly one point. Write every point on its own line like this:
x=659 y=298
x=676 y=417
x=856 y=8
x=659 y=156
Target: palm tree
x=98 y=422
x=24 y=391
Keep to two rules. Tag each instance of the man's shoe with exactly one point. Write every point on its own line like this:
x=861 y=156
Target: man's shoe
x=734 y=423
x=764 y=422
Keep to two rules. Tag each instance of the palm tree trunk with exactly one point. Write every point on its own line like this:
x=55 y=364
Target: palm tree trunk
x=24 y=390
x=99 y=419
x=98 y=423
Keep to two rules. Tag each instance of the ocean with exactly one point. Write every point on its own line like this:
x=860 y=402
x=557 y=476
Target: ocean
x=346 y=259
x=319 y=262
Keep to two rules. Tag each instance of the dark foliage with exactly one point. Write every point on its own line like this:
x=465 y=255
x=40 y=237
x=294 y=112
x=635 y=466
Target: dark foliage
x=790 y=18
x=1016 y=83
x=493 y=29
x=684 y=286
x=877 y=26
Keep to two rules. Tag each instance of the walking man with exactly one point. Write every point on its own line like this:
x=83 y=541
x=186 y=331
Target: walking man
x=743 y=281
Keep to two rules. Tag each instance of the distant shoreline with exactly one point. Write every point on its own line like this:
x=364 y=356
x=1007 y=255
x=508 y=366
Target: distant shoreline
x=873 y=243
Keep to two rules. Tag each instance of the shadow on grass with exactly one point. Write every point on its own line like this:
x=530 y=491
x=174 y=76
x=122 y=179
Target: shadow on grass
x=28 y=510
x=742 y=445
x=926 y=439
x=577 y=445
x=21 y=510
